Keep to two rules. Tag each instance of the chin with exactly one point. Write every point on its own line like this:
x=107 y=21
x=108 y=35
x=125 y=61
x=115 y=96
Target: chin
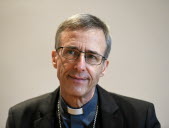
x=78 y=91
x=81 y=91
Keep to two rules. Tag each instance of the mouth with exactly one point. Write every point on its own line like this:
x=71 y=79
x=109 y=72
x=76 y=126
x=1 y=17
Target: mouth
x=78 y=78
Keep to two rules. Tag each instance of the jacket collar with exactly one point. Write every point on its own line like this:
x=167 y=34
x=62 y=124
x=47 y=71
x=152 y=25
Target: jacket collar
x=46 y=115
x=111 y=116
x=108 y=108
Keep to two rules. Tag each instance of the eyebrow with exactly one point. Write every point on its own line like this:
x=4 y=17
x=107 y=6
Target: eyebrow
x=94 y=52
x=72 y=47
x=88 y=51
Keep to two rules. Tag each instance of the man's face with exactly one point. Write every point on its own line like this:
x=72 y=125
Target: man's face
x=78 y=78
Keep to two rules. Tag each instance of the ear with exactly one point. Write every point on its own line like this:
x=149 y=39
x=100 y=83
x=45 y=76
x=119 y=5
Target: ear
x=105 y=65
x=54 y=59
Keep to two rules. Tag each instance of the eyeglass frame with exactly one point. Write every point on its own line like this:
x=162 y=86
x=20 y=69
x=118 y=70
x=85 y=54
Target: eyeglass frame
x=103 y=57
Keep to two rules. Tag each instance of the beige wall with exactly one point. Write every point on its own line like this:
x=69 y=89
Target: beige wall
x=139 y=59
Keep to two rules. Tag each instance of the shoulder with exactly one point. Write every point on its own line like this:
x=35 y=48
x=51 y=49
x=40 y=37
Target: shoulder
x=32 y=103
x=26 y=112
x=130 y=102
x=43 y=103
x=122 y=100
x=126 y=105
x=138 y=110
x=134 y=111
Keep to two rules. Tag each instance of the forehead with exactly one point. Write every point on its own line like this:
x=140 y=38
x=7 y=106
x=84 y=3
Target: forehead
x=90 y=39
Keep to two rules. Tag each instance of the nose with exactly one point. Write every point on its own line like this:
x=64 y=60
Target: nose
x=80 y=64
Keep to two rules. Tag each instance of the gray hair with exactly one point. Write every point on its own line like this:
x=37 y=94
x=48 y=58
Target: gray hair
x=84 y=21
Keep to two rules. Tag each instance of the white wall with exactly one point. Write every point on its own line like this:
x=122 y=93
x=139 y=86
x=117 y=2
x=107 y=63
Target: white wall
x=139 y=59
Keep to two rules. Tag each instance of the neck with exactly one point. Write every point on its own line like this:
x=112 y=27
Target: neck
x=77 y=101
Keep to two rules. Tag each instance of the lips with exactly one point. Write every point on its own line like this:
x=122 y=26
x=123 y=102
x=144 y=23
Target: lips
x=78 y=78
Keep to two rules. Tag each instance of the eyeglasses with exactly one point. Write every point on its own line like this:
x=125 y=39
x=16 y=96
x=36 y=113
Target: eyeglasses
x=72 y=53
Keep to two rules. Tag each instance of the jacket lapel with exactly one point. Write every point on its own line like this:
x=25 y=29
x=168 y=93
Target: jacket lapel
x=46 y=115
x=45 y=122
x=111 y=117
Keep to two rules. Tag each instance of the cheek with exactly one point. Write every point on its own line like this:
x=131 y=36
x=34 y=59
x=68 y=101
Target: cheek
x=95 y=74
x=63 y=69
x=60 y=70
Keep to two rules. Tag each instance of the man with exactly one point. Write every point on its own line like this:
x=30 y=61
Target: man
x=82 y=47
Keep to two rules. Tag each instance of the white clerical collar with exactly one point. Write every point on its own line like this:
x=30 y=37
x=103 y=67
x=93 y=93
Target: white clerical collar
x=75 y=111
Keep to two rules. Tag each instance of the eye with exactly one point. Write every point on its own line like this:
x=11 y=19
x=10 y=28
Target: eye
x=70 y=52
x=91 y=56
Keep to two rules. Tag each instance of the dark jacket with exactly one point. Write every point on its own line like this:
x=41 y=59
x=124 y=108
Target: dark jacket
x=115 y=111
